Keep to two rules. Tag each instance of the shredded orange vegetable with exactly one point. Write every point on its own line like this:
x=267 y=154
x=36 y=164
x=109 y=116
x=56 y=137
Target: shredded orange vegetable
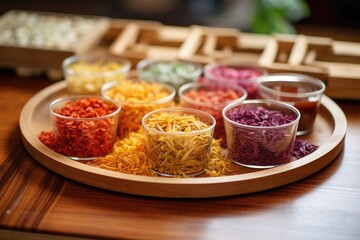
x=128 y=156
x=137 y=99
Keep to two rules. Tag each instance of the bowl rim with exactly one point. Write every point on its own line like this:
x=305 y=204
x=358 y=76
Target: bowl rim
x=78 y=97
x=290 y=78
x=168 y=98
x=208 y=75
x=262 y=101
x=126 y=65
x=188 y=86
x=148 y=61
x=179 y=109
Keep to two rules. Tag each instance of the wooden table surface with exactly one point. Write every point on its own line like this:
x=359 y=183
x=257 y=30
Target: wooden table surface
x=37 y=203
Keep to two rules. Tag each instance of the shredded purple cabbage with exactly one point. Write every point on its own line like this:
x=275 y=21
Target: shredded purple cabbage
x=259 y=117
x=303 y=148
x=260 y=147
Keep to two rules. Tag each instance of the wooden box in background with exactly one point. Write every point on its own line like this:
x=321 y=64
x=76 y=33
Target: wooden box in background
x=24 y=34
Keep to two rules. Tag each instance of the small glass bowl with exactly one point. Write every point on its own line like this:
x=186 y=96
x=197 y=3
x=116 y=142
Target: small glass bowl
x=134 y=108
x=260 y=146
x=84 y=138
x=301 y=91
x=243 y=75
x=178 y=152
x=211 y=97
x=85 y=74
x=173 y=72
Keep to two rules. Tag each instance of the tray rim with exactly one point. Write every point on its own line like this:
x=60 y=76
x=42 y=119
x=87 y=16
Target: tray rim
x=199 y=187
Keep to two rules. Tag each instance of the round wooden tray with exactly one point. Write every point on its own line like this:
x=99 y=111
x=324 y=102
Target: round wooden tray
x=329 y=133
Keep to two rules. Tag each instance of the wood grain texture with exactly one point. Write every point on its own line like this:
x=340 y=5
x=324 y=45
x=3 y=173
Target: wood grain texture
x=14 y=93
x=26 y=197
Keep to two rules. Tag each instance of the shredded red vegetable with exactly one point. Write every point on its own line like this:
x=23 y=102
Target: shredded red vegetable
x=81 y=135
x=49 y=139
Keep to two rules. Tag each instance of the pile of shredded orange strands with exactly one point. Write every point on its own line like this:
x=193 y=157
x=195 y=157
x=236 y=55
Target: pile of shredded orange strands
x=128 y=156
x=137 y=98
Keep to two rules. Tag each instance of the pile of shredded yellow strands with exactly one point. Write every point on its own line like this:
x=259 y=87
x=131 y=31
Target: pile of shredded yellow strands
x=175 y=123
x=177 y=143
x=137 y=98
x=128 y=156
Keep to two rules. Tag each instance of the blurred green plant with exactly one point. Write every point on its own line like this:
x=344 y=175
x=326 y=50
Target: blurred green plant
x=278 y=16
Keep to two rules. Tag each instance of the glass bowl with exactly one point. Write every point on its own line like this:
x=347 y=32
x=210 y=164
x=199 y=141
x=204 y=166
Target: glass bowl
x=211 y=97
x=243 y=75
x=260 y=133
x=83 y=134
x=178 y=140
x=173 y=72
x=86 y=74
x=301 y=91
x=137 y=98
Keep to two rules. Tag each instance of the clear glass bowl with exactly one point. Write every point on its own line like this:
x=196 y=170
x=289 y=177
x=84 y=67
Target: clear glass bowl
x=86 y=74
x=133 y=107
x=178 y=140
x=301 y=91
x=243 y=75
x=173 y=72
x=211 y=97
x=263 y=145
x=84 y=138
